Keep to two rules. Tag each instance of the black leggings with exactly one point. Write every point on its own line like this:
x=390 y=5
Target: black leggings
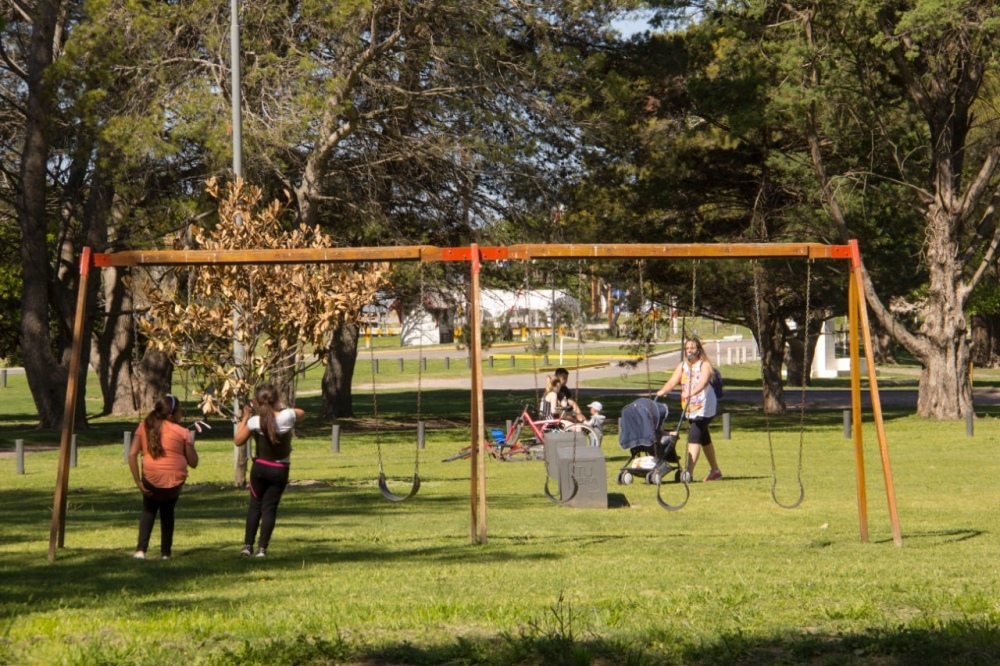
x=267 y=482
x=163 y=500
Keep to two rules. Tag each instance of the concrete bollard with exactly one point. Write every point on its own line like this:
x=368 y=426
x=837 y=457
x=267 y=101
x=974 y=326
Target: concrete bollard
x=513 y=361
x=491 y=360
x=421 y=434
x=847 y=424
x=3 y=377
x=375 y=362
x=19 y=454
x=424 y=362
x=447 y=363
x=126 y=445
x=970 y=418
x=400 y=365
x=726 y=425
x=335 y=439
x=72 y=451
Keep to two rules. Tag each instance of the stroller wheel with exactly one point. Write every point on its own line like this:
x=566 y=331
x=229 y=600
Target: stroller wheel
x=653 y=478
x=624 y=478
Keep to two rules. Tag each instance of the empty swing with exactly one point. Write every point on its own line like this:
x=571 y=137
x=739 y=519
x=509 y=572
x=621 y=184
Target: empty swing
x=802 y=406
x=683 y=474
x=534 y=363
x=383 y=484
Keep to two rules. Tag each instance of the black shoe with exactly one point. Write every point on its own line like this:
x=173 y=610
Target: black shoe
x=247 y=550
x=260 y=553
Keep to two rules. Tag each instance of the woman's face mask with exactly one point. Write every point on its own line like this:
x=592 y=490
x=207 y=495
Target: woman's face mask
x=692 y=355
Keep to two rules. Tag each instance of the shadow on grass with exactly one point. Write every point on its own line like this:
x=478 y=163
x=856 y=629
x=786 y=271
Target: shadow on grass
x=554 y=640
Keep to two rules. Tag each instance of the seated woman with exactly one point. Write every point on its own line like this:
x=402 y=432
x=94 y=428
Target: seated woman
x=551 y=408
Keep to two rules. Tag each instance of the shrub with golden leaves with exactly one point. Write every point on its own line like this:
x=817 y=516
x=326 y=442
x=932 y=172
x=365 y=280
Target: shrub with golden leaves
x=275 y=311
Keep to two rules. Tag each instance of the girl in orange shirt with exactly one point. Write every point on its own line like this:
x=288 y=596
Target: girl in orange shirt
x=167 y=451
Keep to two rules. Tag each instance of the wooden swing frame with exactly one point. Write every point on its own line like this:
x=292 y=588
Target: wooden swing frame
x=475 y=255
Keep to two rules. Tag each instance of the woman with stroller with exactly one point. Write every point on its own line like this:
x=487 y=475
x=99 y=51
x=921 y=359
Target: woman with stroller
x=698 y=401
x=272 y=432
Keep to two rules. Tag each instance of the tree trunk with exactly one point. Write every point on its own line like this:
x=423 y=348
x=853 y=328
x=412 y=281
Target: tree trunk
x=793 y=362
x=985 y=351
x=115 y=348
x=944 y=390
x=46 y=376
x=799 y=367
x=768 y=329
x=338 y=377
x=157 y=373
x=883 y=348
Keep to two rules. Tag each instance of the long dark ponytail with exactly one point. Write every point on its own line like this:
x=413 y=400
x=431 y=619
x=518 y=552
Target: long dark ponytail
x=162 y=410
x=266 y=397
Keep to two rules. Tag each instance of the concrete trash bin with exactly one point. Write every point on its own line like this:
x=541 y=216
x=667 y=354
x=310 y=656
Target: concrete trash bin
x=568 y=456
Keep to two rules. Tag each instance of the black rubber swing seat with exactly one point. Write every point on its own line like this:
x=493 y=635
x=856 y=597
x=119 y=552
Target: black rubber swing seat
x=383 y=487
x=548 y=493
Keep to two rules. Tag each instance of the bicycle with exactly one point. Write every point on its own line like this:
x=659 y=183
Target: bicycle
x=510 y=447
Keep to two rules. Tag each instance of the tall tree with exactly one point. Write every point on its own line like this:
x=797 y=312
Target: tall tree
x=911 y=81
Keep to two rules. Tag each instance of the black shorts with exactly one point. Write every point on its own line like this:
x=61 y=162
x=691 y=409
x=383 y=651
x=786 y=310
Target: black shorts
x=698 y=431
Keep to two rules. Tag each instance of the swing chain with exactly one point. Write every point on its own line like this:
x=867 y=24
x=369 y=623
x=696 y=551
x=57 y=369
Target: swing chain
x=378 y=429
x=805 y=368
x=694 y=286
x=642 y=300
x=802 y=407
x=420 y=372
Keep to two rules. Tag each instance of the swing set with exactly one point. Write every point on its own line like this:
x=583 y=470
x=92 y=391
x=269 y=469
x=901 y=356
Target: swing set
x=475 y=255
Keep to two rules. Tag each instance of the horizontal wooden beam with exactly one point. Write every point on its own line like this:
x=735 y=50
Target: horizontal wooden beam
x=682 y=251
x=431 y=253
x=290 y=256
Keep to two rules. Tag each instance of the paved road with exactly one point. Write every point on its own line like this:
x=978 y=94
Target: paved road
x=905 y=398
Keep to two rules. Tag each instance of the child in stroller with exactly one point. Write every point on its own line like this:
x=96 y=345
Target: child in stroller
x=653 y=451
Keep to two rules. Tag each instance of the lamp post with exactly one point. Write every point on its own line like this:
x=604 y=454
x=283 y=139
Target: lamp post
x=556 y=213
x=239 y=352
x=234 y=62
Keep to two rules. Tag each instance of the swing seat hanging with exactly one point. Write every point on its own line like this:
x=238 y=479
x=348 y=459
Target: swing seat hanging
x=666 y=505
x=793 y=505
x=553 y=498
x=383 y=487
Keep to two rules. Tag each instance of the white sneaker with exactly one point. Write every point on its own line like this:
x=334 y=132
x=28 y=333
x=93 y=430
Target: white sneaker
x=139 y=555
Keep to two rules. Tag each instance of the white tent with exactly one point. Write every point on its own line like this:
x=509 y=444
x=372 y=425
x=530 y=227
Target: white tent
x=530 y=307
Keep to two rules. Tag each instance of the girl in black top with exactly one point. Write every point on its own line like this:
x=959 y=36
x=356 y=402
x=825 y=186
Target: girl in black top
x=272 y=429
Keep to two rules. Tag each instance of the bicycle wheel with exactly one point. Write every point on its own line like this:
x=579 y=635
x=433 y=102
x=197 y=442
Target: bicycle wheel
x=464 y=453
x=514 y=434
x=519 y=453
x=592 y=438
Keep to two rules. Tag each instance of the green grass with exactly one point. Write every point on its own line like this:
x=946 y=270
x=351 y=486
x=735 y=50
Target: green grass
x=351 y=578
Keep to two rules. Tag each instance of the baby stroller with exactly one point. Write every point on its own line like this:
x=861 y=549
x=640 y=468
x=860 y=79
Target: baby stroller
x=653 y=451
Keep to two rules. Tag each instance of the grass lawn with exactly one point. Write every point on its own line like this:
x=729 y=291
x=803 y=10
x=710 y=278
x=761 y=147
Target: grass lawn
x=353 y=579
